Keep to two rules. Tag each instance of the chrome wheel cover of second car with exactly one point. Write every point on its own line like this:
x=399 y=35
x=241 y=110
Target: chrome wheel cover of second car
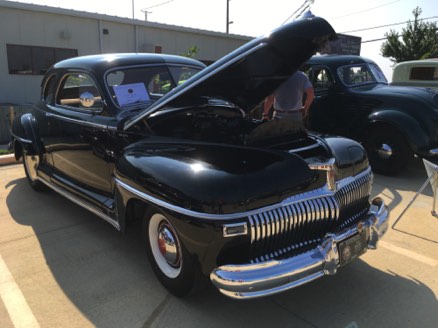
x=384 y=151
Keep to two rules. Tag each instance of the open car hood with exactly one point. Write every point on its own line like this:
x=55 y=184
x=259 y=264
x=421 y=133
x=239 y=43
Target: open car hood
x=250 y=73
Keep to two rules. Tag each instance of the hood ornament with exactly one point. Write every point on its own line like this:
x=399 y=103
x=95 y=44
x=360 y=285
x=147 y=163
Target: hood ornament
x=330 y=169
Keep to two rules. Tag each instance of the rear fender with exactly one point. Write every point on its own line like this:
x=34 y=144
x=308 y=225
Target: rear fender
x=25 y=135
x=407 y=126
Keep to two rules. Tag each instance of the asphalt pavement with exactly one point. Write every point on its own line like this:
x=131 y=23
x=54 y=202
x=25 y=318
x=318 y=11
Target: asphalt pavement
x=61 y=266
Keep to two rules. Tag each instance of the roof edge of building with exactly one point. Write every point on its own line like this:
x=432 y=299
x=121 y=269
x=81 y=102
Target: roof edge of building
x=117 y=19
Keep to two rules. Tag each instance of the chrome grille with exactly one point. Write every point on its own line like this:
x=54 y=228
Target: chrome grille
x=305 y=219
x=353 y=199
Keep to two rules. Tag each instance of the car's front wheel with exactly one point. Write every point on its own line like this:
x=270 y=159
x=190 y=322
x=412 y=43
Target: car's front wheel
x=171 y=262
x=388 y=151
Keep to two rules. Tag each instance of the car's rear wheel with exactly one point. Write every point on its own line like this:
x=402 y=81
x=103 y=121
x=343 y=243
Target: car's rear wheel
x=30 y=163
x=388 y=151
x=171 y=262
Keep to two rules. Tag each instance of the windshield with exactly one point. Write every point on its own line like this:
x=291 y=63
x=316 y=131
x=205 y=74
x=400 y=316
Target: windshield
x=353 y=75
x=133 y=86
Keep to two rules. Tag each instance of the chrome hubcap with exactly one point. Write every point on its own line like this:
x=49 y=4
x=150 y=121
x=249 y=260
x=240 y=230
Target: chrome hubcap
x=385 y=151
x=167 y=244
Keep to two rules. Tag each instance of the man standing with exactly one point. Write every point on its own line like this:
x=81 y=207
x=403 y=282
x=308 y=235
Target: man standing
x=287 y=99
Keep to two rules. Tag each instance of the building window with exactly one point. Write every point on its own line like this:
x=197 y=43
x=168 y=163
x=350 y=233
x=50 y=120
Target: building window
x=32 y=60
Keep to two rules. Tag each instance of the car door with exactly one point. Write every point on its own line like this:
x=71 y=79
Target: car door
x=357 y=100
x=78 y=136
x=323 y=111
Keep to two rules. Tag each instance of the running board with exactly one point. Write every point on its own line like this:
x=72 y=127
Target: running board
x=81 y=203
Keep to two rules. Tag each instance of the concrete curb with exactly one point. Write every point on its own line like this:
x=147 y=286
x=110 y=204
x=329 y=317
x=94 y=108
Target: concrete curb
x=8 y=159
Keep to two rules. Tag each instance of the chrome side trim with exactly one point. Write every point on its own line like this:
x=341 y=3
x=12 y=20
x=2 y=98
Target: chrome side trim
x=72 y=120
x=247 y=281
x=314 y=194
x=81 y=203
x=177 y=209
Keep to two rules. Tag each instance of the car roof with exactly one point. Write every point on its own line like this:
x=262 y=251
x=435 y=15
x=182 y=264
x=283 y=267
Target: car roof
x=419 y=62
x=338 y=60
x=428 y=60
x=103 y=62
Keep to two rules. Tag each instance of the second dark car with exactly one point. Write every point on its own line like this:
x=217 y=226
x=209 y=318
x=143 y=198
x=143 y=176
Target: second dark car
x=353 y=99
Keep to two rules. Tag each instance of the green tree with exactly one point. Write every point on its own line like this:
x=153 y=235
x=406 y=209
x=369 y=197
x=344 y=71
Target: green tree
x=419 y=40
x=191 y=52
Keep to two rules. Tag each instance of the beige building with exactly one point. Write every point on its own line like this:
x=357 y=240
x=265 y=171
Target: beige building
x=33 y=37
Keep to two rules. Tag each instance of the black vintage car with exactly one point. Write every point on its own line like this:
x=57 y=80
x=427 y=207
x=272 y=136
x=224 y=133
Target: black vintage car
x=353 y=99
x=259 y=207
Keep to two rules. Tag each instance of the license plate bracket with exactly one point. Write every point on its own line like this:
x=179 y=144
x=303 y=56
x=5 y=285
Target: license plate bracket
x=353 y=247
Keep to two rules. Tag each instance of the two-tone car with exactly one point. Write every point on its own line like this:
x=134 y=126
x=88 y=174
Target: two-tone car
x=421 y=73
x=257 y=207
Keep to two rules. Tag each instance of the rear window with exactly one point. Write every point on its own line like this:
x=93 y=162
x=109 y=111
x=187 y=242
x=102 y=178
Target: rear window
x=424 y=73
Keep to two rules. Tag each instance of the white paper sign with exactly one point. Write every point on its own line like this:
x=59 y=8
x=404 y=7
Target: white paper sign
x=131 y=93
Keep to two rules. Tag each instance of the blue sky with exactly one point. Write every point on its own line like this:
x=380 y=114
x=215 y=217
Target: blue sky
x=254 y=18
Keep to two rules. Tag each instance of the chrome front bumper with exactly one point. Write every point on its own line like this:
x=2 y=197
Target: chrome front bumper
x=262 y=279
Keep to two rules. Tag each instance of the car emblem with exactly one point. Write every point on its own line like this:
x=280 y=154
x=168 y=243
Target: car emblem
x=330 y=169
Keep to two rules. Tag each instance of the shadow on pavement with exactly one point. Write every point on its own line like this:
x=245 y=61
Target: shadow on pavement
x=106 y=276
x=411 y=180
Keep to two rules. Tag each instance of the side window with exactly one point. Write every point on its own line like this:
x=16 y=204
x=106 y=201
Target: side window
x=354 y=75
x=49 y=89
x=160 y=84
x=182 y=74
x=321 y=78
x=79 y=91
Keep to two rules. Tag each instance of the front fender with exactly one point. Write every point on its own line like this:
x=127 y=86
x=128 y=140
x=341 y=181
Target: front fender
x=25 y=132
x=213 y=179
x=408 y=126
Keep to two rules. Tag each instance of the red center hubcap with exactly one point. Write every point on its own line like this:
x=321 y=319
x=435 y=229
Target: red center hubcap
x=162 y=246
